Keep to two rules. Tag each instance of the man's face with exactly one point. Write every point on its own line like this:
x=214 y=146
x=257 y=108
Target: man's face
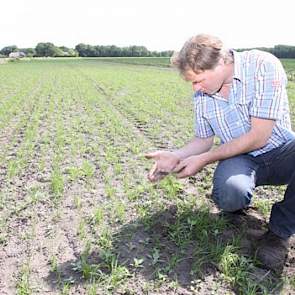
x=208 y=81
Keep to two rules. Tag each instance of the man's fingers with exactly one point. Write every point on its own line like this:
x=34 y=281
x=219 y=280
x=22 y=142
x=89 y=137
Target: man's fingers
x=157 y=176
x=181 y=174
x=153 y=170
x=179 y=167
x=151 y=155
x=180 y=171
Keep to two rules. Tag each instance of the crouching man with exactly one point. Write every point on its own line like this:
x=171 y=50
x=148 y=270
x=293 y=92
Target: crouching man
x=241 y=98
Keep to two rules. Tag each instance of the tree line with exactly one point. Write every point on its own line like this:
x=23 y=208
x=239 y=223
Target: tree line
x=280 y=51
x=84 y=50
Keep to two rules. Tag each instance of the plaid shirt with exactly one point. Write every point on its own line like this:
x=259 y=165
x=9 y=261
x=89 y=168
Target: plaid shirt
x=258 y=90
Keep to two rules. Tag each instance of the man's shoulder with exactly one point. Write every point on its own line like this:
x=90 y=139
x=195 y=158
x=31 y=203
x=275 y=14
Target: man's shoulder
x=256 y=60
x=258 y=56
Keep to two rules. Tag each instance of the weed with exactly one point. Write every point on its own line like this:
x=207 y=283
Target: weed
x=264 y=206
x=78 y=202
x=105 y=239
x=57 y=183
x=98 y=215
x=118 y=273
x=82 y=229
x=88 y=169
x=23 y=283
x=138 y=262
x=119 y=211
x=53 y=263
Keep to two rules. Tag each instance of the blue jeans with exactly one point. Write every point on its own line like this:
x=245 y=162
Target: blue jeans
x=235 y=179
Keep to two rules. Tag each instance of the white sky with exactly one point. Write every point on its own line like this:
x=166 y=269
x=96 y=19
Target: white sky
x=156 y=24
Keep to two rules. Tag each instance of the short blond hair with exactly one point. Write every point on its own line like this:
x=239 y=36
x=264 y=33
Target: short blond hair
x=200 y=53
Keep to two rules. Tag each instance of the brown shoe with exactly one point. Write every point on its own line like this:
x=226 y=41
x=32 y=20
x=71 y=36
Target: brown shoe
x=271 y=251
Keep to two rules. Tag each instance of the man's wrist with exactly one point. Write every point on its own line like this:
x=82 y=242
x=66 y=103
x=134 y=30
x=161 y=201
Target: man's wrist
x=178 y=154
x=206 y=158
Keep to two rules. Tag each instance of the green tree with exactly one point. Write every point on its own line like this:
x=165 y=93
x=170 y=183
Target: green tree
x=30 y=52
x=82 y=49
x=8 y=49
x=48 y=49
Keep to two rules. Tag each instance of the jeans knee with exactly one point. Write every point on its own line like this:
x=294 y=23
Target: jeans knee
x=232 y=194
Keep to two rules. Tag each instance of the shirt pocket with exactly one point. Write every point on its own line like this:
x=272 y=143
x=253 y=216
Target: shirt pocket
x=227 y=123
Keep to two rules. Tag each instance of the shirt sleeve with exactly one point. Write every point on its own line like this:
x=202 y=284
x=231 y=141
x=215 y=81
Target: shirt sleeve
x=202 y=126
x=270 y=88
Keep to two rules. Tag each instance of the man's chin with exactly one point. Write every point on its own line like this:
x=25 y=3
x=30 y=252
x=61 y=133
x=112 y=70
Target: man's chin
x=211 y=92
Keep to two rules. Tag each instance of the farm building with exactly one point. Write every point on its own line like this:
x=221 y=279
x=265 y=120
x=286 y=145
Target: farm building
x=18 y=54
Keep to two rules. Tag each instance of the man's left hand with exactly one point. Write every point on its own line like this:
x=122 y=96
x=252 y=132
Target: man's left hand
x=189 y=166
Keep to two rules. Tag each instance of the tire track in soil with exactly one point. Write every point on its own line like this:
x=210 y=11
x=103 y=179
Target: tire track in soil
x=141 y=130
x=193 y=183
x=136 y=124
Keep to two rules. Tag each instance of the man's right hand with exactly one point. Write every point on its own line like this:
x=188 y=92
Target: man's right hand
x=165 y=162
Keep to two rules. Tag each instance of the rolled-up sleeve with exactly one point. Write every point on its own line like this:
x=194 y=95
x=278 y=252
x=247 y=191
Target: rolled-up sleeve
x=270 y=88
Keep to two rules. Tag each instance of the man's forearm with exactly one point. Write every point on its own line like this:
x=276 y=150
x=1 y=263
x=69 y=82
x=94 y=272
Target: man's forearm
x=244 y=144
x=195 y=147
x=256 y=138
